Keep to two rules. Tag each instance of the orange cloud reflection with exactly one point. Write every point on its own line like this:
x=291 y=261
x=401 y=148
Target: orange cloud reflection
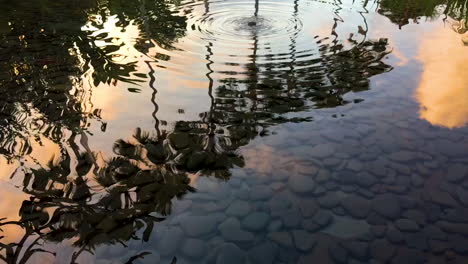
x=10 y=203
x=443 y=88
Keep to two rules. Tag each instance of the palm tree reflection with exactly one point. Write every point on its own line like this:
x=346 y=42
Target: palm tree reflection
x=134 y=190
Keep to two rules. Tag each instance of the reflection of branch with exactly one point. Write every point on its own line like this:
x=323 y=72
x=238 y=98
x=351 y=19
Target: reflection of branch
x=75 y=255
x=29 y=254
x=138 y=256
x=15 y=250
x=364 y=33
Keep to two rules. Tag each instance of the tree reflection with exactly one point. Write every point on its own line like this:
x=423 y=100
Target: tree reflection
x=93 y=202
x=47 y=54
x=133 y=191
x=401 y=12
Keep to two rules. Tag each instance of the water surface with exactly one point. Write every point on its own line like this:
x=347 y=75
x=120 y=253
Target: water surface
x=302 y=131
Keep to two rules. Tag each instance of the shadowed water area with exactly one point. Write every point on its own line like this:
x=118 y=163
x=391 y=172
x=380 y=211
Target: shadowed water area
x=240 y=131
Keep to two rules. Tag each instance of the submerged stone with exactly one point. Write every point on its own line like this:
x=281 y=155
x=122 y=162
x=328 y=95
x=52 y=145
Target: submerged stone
x=457 y=172
x=338 y=254
x=231 y=231
x=437 y=246
x=386 y=205
x=382 y=250
x=304 y=240
x=449 y=148
x=168 y=240
x=408 y=256
x=283 y=239
x=357 y=249
x=454 y=228
x=291 y=218
x=264 y=253
x=394 y=235
x=347 y=227
x=322 y=151
x=308 y=207
x=255 y=221
x=194 y=248
x=329 y=200
x=365 y=180
x=458 y=243
x=378 y=230
x=417 y=180
x=417 y=241
x=434 y=232
x=322 y=218
x=301 y=184
x=442 y=198
x=406 y=225
x=238 y=208
x=462 y=195
x=196 y=226
x=402 y=156
x=229 y=253
x=415 y=215
x=261 y=192
x=275 y=225
x=355 y=165
x=356 y=206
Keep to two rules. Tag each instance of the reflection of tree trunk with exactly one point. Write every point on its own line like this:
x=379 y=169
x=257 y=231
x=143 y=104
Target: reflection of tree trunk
x=292 y=50
x=210 y=79
x=207 y=6
x=153 y=98
x=253 y=72
x=151 y=74
x=210 y=87
x=73 y=152
x=84 y=142
x=336 y=20
x=256 y=8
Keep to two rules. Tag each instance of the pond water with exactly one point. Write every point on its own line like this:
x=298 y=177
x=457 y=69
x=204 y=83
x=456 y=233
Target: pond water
x=279 y=131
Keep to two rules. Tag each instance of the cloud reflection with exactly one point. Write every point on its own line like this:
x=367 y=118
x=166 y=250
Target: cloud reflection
x=443 y=88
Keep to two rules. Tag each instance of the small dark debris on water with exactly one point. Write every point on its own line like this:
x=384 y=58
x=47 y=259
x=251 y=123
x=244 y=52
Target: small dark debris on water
x=252 y=24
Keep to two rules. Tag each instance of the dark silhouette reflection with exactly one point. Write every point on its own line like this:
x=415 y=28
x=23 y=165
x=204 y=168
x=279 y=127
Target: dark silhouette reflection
x=155 y=19
x=132 y=191
x=403 y=12
x=46 y=53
